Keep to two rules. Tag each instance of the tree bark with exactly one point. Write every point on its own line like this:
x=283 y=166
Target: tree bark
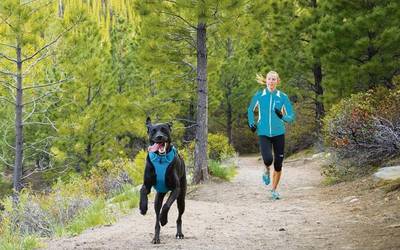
x=200 y=154
x=319 y=92
x=229 y=86
x=19 y=138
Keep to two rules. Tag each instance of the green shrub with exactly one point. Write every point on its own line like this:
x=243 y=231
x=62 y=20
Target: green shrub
x=127 y=199
x=21 y=225
x=364 y=129
x=13 y=241
x=95 y=215
x=5 y=187
x=140 y=163
x=222 y=171
x=219 y=147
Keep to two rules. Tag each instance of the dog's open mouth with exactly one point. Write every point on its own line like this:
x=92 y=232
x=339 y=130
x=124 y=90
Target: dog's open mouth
x=160 y=147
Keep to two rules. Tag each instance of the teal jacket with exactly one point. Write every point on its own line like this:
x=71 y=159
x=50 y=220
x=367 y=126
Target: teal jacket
x=269 y=124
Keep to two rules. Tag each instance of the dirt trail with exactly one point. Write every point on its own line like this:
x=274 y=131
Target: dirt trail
x=241 y=215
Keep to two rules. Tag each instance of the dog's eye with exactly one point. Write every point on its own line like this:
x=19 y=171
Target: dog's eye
x=163 y=129
x=153 y=130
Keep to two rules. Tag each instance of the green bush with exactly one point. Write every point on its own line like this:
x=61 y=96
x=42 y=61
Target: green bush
x=68 y=209
x=127 y=199
x=5 y=187
x=222 y=171
x=219 y=147
x=94 y=215
x=140 y=163
x=21 y=225
x=364 y=129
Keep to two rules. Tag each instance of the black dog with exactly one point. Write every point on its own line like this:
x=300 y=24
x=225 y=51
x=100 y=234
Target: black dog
x=165 y=171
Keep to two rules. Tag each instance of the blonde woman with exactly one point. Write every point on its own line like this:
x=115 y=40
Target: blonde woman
x=274 y=109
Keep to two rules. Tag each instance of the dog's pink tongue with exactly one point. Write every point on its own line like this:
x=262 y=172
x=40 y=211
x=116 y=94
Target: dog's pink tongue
x=154 y=147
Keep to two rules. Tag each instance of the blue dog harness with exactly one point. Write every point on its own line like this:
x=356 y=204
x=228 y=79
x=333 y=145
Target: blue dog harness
x=161 y=163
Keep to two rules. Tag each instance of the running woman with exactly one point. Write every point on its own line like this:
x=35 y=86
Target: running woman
x=274 y=109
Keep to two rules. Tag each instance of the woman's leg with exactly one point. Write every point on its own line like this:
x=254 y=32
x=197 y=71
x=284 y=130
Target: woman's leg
x=278 y=143
x=266 y=151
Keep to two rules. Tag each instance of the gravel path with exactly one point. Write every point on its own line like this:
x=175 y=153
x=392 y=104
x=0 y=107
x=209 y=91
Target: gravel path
x=241 y=215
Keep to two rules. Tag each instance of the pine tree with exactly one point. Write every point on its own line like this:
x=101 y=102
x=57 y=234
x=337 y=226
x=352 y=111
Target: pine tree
x=27 y=41
x=362 y=44
x=183 y=26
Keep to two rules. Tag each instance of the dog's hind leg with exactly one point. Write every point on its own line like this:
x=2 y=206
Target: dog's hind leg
x=181 y=210
x=172 y=197
x=157 y=207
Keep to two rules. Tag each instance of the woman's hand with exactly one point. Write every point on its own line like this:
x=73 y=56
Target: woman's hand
x=278 y=113
x=253 y=127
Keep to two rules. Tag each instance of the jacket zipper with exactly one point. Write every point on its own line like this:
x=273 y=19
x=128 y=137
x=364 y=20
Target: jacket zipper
x=270 y=103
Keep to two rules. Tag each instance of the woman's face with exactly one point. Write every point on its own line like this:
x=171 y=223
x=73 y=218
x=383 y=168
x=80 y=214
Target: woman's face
x=272 y=80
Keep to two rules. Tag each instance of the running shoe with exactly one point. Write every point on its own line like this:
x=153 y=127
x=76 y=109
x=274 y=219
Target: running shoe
x=266 y=179
x=275 y=195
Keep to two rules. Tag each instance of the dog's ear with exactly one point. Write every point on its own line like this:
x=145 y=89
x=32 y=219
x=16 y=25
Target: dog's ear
x=148 y=124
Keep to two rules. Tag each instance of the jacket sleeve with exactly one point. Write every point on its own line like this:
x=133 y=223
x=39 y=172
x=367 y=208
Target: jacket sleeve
x=289 y=115
x=250 y=109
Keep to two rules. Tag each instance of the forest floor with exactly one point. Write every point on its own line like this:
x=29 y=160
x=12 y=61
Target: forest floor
x=241 y=215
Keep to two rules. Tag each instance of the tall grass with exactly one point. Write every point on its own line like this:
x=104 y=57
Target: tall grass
x=95 y=215
x=99 y=212
x=222 y=171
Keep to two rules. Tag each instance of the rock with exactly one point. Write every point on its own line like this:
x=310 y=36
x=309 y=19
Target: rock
x=394 y=226
x=316 y=156
x=303 y=188
x=349 y=198
x=387 y=174
x=282 y=229
x=353 y=200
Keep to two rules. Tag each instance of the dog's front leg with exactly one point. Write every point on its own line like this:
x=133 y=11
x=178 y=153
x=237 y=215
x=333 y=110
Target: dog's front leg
x=144 y=191
x=157 y=207
x=172 y=197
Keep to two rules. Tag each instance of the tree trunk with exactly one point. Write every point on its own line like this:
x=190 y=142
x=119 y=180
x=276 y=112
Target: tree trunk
x=19 y=138
x=200 y=153
x=229 y=122
x=319 y=92
x=229 y=86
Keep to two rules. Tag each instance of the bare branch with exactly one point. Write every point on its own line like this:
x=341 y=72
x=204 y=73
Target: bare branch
x=8 y=58
x=7 y=100
x=42 y=57
x=36 y=123
x=47 y=85
x=8 y=45
x=31 y=113
x=7 y=84
x=48 y=45
x=6 y=22
x=5 y=162
x=39 y=98
x=8 y=73
x=4 y=138
x=181 y=18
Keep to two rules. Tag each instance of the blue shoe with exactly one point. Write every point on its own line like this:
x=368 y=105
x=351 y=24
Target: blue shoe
x=266 y=179
x=275 y=195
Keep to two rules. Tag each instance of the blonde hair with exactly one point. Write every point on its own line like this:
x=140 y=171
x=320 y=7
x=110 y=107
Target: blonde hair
x=262 y=79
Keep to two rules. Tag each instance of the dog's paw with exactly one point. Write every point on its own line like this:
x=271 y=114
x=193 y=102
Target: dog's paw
x=143 y=211
x=164 y=217
x=179 y=236
x=155 y=240
x=143 y=207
